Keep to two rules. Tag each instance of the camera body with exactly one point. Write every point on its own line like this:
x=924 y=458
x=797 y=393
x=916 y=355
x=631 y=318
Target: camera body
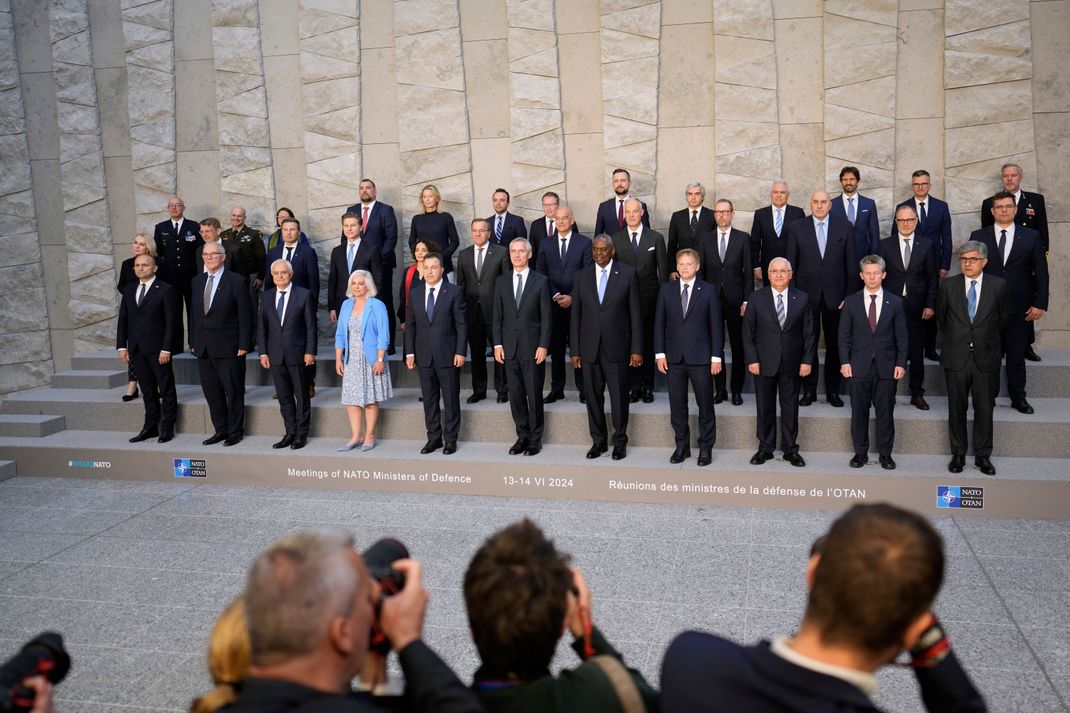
x=379 y=559
x=44 y=655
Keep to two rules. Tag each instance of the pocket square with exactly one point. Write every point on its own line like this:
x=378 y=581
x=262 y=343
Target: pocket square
x=651 y=248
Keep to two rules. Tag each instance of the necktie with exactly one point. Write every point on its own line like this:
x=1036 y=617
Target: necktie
x=781 y=313
x=971 y=300
x=498 y=230
x=1003 y=246
x=694 y=221
x=176 y=227
x=479 y=261
x=564 y=247
x=431 y=303
x=349 y=258
x=921 y=215
x=620 y=214
x=851 y=210
x=873 y=313
x=906 y=253
x=280 y=307
x=778 y=221
x=549 y=227
x=602 y=285
x=635 y=243
x=519 y=287
x=364 y=221
x=722 y=247
x=683 y=300
x=141 y=294
x=821 y=240
x=207 y=299
x=289 y=254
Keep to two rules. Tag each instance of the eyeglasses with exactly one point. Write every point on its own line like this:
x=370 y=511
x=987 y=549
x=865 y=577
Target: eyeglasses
x=906 y=220
x=971 y=260
x=212 y=254
x=919 y=185
x=724 y=212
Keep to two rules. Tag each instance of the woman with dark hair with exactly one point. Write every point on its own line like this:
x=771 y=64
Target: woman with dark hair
x=435 y=227
x=141 y=246
x=281 y=215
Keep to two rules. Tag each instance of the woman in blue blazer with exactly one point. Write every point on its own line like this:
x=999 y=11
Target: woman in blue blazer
x=360 y=345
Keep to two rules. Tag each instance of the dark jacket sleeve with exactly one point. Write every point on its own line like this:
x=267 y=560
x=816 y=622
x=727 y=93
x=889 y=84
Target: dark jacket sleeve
x=245 y=315
x=311 y=331
x=430 y=685
x=946 y=688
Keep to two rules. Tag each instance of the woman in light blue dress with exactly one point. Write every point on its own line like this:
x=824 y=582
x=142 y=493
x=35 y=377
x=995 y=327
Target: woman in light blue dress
x=360 y=344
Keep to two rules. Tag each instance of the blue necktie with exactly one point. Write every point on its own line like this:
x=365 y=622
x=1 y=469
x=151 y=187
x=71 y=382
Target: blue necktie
x=289 y=254
x=602 y=285
x=921 y=217
x=498 y=230
x=822 y=241
x=519 y=288
x=349 y=258
x=683 y=300
x=781 y=314
x=778 y=221
x=851 y=210
x=564 y=248
x=280 y=307
x=431 y=303
x=971 y=300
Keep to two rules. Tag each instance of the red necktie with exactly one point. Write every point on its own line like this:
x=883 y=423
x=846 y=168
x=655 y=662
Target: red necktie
x=364 y=221
x=873 y=313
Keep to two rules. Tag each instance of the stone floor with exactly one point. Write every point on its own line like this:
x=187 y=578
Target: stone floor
x=133 y=574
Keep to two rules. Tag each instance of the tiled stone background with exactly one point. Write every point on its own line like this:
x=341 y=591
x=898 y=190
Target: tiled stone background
x=107 y=106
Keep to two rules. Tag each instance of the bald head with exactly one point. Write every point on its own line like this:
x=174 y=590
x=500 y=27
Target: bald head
x=820 y=204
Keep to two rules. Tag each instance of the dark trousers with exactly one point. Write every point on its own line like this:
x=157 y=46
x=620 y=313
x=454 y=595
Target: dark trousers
x=981 y=386
x=525 y=379
x=224 y=390
x=254 y=297
x=444 y=382
x=559 y=334
x=767 y=389
x=479 y=339
x=385 y=293
x=642 y=377
x=291 y=385
x=157 y=384
x=930 y=335
x=1015 y=341
x=829 y=321
x=916 y=327
x=869 y=390
x=732 y=323
x=702 y=384
x=597 y=375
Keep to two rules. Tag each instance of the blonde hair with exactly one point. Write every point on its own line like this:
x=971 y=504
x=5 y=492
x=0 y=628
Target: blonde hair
x=229 y=655
x=433 y=190
x=150 y=243
x=369 y=283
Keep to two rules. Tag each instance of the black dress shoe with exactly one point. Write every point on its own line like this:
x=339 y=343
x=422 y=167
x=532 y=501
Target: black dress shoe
x=680 y=455
x=286 y=441
x=719 y=397
x=144 y=435
x=503 y=398
x=518 y=447
x=583 y=398
x=620 y=452
x=648 y=397
x=796 y=460
x=299 y=443
x=431 y=446
x=984 y=464
x=214 y=439
x=737 y=400
x=1030 y=355
x=130 y=397
x=475 y=398
x=705 y=457
x=932 y=355
x=886 y=462
x=918 y=401
x=1021 y=406
x=597 y=450
x=956 y=464
x=806 y=399
x=633 y=398
x=232 y=440
x=760 y=457
x=858 y=460
x=533 y=449
x=166 y=436
x=835 y=400
x=449 y=449
x=553 y=396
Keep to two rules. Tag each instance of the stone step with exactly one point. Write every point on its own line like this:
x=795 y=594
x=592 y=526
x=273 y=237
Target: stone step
x=89 y=379
x=30 y=425
x=822 y=427
x=7 y=470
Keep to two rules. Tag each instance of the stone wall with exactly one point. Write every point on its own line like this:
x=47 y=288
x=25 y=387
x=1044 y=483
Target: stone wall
x=277 y=102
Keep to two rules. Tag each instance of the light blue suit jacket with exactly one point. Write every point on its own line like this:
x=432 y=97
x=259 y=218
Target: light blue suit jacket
x=374 y=329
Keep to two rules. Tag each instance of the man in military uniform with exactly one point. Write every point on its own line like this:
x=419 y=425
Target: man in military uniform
x=251 y=244
x=177 y=240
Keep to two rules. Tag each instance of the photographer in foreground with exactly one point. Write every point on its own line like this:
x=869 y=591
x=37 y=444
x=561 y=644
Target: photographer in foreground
x=872 y=582
x=311 y=605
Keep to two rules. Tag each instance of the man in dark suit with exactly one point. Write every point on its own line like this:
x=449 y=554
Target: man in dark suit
x=610 y=217
x=220 y=335
x=910 y=261
x=148 y=332
x=607 y=337
x=177 y=240
x=822 y=251
x=478 y=268
x=686 y=225
x=972 y=312
x=871 y=592
x=1017 y=255
x=1031 y=213
x=379 y=226
x=780 y=347
x=859 y=211
x=767 y=233
x=644 y=250
x=211 y=232
x=288 y=344
x=355 y=253
x=544 y=228
x=436 y=340
x=560 y=260
x=873 y=354
x=725 y=255
x=306 y=272
x=522 y=329
x=505 y=226
x=689 y=346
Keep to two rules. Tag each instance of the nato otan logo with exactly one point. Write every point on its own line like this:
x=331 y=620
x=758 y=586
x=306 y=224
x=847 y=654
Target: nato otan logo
x=960 y=497
x=191 y=468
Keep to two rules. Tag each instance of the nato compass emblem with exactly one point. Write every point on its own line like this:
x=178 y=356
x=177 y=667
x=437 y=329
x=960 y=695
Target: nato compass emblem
x=191 y=468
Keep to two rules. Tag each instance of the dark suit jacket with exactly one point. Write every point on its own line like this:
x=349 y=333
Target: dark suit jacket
x=921 y=277
x=233 y=260
x=867 y=233
x=479 y=289
x=522 y=329
x=287 y=343
x=773 y=348
x=826 y=281
x=606 y=221
x=435 y=340
x=1026 y=271
x=228 y=326
x=305 y=263
x=177 y=254
x=611 y=329
x=381 y=230
x=1031 y=213
x=153 y=327
x=512 y=228
x=734 y=276
x=680 y=236
x=691 y=338
x=986 y=331
x=651 y=263
x=367 y=258
x=537 y=233
x=937 y=228
x=860 y=346
x=562 y=275
x=764 y=243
